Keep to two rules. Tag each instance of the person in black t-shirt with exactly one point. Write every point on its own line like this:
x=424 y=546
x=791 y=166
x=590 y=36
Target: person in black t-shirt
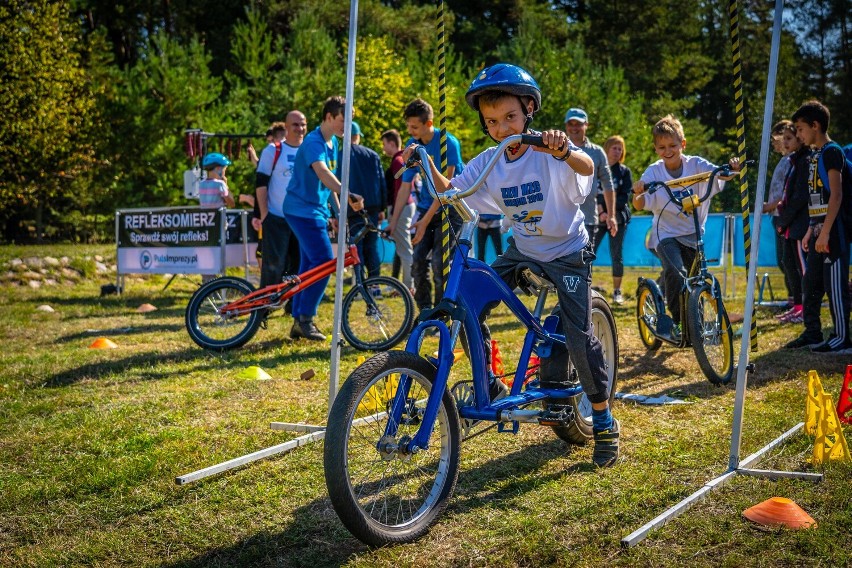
x=622 y=185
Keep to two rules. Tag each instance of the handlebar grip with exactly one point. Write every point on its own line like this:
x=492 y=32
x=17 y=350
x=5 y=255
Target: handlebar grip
x=532 y=140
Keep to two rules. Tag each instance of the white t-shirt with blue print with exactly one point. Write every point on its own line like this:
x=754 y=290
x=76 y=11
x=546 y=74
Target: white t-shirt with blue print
x=279 y=178
x=669 y=219
x=540 y=195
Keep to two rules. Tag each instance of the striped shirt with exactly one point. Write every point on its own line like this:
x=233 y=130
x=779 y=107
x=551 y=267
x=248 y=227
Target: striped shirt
x=211 y=193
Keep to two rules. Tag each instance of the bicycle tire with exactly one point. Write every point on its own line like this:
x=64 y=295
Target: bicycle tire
x=713 y=344
x=579 y=432
x=646 y=309
x=378 y=314
x=208 y=328
x=384 y=497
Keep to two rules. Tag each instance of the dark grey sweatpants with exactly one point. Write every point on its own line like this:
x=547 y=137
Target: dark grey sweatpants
x=572 y=276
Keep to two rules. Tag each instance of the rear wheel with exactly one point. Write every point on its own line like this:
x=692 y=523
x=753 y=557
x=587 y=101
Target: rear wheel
x=378 y=314
x=381 y=493
x=213 y=329
x=603 y=324
x=647 y=316
x=711 y=335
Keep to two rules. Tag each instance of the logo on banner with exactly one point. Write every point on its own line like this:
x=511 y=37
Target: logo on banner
x=146 y=260
x=571 y=283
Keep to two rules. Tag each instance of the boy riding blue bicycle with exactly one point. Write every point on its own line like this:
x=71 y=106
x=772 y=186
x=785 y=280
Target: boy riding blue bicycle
x=540 y=189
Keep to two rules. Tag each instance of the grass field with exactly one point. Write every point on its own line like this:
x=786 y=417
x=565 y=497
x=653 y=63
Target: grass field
x=92 y=440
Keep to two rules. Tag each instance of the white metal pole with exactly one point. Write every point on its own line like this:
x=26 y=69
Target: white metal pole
x=742 y=367
x=334 y=372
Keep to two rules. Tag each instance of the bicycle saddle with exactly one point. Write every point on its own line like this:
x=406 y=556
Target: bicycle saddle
x=531 y=278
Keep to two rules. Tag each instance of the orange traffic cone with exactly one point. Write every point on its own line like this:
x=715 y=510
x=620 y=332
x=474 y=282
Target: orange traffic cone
x=780 y=511
x=103 y=343
x=496 y=359
x=145 y=308
x=844 y=402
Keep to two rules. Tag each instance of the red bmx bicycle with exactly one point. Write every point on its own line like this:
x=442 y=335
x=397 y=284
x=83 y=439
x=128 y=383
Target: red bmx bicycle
x=377 y=313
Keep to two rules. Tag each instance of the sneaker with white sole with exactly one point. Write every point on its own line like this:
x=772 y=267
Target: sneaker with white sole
x=826 y=348
x=617 y=297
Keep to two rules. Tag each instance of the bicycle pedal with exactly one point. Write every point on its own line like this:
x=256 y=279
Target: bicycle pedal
x=556 y=415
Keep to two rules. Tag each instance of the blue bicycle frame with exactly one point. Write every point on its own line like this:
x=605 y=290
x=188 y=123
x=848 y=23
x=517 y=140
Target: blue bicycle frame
x=473 y=285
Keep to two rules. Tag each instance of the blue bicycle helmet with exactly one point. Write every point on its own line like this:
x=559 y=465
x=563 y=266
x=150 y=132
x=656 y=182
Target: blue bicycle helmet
x=215 y=159
x=507 y=78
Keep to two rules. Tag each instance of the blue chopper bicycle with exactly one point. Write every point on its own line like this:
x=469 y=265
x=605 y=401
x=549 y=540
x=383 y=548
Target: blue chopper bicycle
x=394 y=431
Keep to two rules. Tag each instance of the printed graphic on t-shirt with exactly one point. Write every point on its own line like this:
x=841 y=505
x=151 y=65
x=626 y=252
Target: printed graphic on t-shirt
x=525 y=194
x=817 y=206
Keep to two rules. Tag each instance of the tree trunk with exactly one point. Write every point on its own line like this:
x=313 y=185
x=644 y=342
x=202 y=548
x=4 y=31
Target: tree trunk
x=39 y=219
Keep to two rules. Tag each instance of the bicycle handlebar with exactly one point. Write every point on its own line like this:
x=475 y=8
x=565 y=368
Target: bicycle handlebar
x=687 y=181
x=454 y=196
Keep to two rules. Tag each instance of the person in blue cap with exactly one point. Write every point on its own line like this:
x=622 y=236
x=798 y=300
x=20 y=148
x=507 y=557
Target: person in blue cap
x=548 y=229
x=213 y=190
x=597 y=212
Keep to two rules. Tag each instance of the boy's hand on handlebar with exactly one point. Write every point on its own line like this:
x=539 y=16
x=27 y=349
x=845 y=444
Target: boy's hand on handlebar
x=734 y=165
x=638 y=187
x=555 y=143
x=409 y=153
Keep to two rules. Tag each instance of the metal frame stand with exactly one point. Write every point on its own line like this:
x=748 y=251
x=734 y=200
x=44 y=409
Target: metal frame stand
x=314 y=432
x=735 y=466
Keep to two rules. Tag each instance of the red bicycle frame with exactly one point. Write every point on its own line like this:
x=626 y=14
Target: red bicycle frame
x=260 y=299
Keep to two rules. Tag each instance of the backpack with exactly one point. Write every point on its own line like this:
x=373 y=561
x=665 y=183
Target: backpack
x=844 y=216
x=277 y=155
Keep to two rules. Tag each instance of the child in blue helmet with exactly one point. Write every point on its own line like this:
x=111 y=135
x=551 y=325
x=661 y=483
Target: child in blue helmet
x=540 y=190
x=213 y=191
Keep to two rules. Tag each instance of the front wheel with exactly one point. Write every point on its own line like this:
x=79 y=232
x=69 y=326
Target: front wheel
x=647 y=315
x=382 y=494
x=603 y=325
x=377 y=314
x=212 y=329
x=711 y=335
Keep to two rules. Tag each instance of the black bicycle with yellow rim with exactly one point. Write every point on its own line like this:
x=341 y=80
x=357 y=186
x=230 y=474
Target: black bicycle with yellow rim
x=704 y=324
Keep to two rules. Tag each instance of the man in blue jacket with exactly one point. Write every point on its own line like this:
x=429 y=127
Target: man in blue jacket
x=367 y=179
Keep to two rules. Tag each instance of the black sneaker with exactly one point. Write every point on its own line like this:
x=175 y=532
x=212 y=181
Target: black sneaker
x=606 y=451
x=843 y=348
x=801 y=342
x=306 y=330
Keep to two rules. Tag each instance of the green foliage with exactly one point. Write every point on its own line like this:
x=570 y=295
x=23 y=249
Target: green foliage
x=100 y=92
x=381 y=83
x=569 y=78
x=47 y=101
x=164 y=92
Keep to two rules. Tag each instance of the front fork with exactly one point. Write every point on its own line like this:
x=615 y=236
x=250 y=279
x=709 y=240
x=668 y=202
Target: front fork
x=446 y=340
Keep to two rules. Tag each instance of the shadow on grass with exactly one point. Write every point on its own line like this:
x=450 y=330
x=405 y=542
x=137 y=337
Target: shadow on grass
x=649 y=375
x=119 y=331
x=163 y=301
x=316 y=537
x=145 y=366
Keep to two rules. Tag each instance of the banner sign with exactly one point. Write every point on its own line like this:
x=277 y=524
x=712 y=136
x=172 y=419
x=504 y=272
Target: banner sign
x=186 y=240
x=634 y=250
